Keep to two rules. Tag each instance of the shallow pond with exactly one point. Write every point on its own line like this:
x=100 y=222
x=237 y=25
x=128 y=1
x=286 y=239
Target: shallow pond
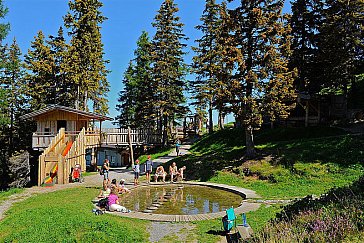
x=179 y=199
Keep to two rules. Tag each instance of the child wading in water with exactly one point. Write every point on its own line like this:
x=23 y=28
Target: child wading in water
x=136 y=170
x=148 y=168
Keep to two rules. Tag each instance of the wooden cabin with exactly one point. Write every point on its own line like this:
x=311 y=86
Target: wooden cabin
x=52 y=118
x=63 y=134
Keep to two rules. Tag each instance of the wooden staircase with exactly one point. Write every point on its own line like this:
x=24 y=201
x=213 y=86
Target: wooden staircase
x=55 y=154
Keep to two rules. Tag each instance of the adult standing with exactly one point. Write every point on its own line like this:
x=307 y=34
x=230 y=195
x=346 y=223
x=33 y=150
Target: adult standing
x=148 y=168
x=105 y=171
x=178 y=144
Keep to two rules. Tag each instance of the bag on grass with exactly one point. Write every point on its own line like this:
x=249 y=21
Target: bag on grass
x=103 y=203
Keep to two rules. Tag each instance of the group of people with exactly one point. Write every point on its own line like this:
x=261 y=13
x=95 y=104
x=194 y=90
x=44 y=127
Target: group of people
x=175 y=173
x=111 y=190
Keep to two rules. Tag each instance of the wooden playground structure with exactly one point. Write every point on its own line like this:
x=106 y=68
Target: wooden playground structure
x=64 y=134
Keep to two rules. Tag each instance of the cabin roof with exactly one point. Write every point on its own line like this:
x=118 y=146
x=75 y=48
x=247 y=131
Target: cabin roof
x=51 y=108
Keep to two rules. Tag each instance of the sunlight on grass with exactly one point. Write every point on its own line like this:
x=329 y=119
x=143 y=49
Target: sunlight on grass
x=66 y=216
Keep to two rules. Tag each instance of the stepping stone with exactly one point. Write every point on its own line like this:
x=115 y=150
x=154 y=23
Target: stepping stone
x=152 y=208
x=156 y=205
x=148 y=211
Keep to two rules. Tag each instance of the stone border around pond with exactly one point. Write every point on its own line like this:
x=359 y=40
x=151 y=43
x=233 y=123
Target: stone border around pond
x=243 y=208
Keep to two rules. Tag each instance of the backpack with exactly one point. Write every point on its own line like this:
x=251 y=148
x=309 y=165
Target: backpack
x=103 y=203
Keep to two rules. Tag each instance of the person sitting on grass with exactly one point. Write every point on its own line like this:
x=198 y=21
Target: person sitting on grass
x=113 y=202
x=122 y=188
x=173 y=171
x=160 y=172
x=113 y=184
x=105 y=191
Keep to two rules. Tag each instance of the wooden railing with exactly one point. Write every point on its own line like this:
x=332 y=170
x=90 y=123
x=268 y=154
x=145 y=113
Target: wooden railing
x=55 y=148
x=119 y=136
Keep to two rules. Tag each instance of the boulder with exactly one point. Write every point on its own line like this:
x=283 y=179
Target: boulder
x=19 y=170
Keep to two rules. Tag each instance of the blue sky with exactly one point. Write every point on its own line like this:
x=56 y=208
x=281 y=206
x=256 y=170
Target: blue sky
x=126 y=20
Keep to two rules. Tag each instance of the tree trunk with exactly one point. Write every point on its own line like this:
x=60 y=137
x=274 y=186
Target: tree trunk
x=307 y=109
x=221 y=120
x=165 y=135
x=211 y=123
x=249 y=141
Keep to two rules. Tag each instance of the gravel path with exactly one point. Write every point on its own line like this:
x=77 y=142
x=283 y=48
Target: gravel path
x=170 y=232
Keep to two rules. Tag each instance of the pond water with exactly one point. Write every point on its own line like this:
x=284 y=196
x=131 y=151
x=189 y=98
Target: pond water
x=179 y=199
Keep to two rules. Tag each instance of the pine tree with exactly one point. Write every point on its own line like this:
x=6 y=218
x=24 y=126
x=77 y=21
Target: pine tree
x=59 y=47
x=14 y=83
x=168 y=66
x=145 y=87
x=341 y=43
x=261 y=70
x=4 y=116
x=127 y=99
x=85 y=63
x=305 y=21
x=204 y=63
x=39 y=61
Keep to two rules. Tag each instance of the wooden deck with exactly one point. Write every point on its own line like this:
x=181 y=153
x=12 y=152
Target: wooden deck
x=108 y=137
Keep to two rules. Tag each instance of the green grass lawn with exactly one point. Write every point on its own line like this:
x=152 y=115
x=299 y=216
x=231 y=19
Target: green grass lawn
x=65 y=216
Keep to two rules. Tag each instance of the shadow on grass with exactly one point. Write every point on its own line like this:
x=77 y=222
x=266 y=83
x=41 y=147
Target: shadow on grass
x=224 y=149
x=344 y=150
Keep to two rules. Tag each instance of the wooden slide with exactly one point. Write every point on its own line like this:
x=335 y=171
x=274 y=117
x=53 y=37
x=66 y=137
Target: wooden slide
x=49 y=180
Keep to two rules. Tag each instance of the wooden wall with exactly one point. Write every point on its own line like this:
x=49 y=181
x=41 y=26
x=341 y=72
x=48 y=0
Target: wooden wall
x=74 y=122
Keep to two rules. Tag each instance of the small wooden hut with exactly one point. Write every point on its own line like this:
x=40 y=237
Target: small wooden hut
x=63 y=134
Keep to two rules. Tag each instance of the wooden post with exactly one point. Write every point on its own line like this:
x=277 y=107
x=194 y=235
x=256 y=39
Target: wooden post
x=61 y=173
x=131 y=147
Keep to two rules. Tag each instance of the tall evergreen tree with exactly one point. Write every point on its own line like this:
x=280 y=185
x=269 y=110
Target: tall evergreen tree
x=85 y=62
x=127 y=99
x=305 y=21
x=146 y=89
x=204 y=63
x=341 y=43
x=4 y=116
x=40 y=64
x=14 y=83
x=169 y=68
x=59 y=47
x=259 y=34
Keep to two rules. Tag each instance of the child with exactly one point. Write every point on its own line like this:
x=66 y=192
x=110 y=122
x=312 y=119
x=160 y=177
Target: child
x=122 y=188
x=148 y=168
x=136 y=170
x=114 y=202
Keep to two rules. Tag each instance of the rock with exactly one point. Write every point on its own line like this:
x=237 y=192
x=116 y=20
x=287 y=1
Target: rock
x=19 y=170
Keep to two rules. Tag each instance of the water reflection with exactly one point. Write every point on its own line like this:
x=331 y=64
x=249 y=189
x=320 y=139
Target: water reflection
x=180 y=200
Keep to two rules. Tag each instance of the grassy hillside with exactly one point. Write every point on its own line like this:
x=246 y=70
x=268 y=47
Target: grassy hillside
x=293 y=162
x=337 y=216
